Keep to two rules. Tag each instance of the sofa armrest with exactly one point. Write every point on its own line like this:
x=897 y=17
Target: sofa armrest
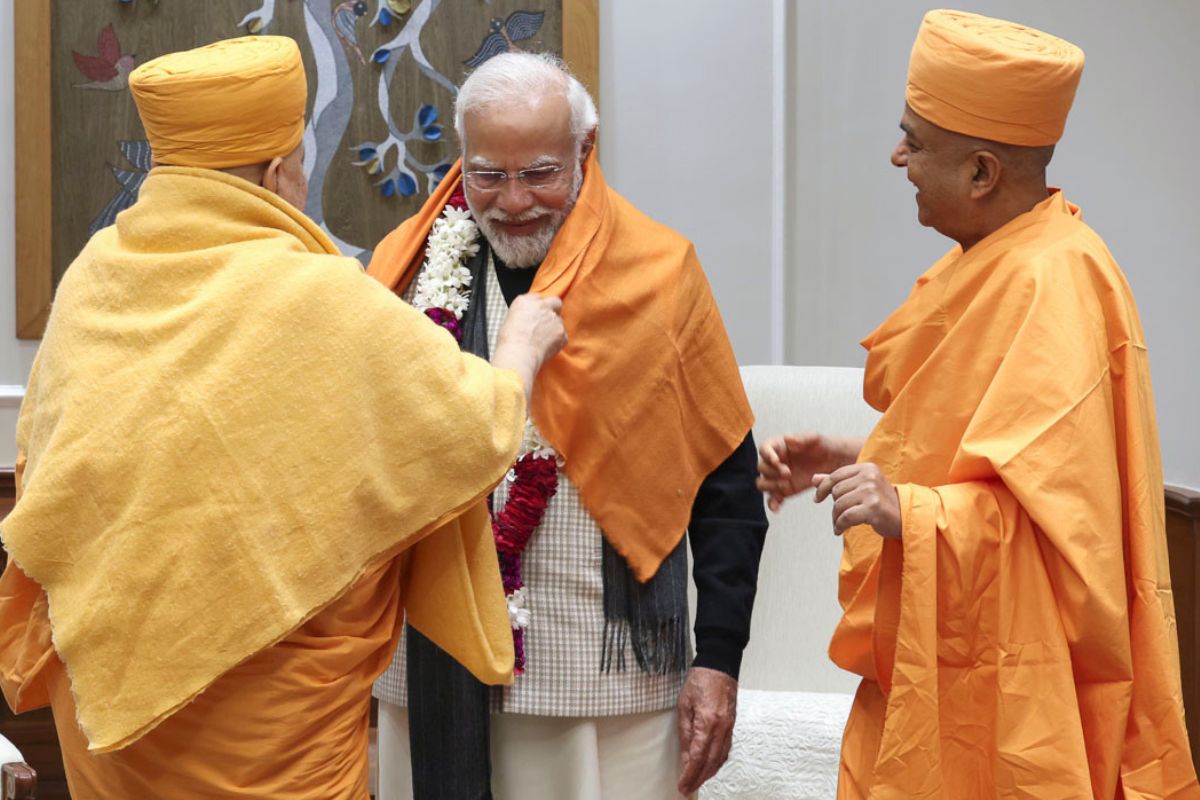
x=18 y=780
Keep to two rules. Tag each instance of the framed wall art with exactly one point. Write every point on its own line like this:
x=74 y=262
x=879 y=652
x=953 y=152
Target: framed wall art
x=382 y=79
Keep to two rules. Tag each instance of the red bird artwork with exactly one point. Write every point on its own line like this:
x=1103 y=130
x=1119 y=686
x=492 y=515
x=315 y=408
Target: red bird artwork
x=109 y=69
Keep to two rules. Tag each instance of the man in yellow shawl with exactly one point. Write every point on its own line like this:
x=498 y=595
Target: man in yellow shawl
x=242 y=461
x=1004 y=581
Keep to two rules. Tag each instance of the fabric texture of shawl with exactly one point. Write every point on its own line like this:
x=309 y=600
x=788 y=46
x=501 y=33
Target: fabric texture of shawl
x=225 y=428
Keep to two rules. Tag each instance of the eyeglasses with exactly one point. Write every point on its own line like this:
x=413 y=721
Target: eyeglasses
x=488 y=180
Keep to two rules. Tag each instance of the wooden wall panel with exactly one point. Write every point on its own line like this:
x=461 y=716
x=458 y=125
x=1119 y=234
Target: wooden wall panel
x=1183 y=541
x=367 y=169
x=31 y=51
x=581 y=42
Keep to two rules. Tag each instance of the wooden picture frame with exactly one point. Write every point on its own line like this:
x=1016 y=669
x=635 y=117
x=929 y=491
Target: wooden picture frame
x=1183 y=547
x=35 y=141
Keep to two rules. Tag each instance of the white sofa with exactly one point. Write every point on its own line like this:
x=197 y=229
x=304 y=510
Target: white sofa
x=792 y=701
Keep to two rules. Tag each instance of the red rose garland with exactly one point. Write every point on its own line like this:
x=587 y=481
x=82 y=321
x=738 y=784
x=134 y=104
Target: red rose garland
x=535 y=480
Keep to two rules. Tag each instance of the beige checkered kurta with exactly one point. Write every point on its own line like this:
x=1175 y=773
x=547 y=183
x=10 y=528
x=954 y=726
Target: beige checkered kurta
x=565 y=596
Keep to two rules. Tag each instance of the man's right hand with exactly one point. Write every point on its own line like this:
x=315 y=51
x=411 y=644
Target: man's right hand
x=788 y=463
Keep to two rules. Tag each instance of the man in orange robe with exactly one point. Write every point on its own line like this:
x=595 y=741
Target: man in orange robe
x=1005 y=584
x=242 y=462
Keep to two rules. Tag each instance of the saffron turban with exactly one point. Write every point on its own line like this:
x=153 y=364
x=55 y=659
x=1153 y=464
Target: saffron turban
x=992 y=79
x=229 y=104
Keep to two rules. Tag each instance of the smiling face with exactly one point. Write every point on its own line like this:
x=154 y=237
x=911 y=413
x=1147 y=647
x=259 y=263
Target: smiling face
x=940 y=166
x=518 y=220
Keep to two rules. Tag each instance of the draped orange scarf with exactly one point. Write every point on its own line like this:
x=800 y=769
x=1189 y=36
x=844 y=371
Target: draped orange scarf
x=646 y=399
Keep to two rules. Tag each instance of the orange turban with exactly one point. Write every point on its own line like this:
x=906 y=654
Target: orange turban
x=992 y=79
x=232 y=103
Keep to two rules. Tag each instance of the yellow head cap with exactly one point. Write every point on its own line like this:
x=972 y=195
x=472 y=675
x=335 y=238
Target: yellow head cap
x=229 y=104
x=992 y=79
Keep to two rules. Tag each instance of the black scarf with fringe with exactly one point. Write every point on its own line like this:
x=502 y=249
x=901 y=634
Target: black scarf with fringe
x=449 y=710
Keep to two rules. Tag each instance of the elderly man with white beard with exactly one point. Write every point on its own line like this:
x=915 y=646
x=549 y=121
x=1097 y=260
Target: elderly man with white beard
x=639 y=433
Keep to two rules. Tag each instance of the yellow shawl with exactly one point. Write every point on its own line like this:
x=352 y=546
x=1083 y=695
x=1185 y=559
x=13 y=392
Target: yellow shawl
x=226 y=426
x=1019 y=641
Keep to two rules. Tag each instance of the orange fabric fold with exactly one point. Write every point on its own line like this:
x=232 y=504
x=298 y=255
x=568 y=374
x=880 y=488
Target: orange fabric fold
x=289 y=723
x=646 y=398
x=1020 y=640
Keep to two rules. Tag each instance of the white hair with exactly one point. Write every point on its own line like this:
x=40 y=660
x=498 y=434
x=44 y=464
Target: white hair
x=508 y=77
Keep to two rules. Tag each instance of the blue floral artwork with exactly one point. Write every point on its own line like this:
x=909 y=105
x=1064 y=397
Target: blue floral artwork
x=519 y=26
x=350 y=45
x=129 y=181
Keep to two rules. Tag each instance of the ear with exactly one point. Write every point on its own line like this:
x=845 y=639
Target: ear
x=986 y=178
x=270 y=179
x=589 y=142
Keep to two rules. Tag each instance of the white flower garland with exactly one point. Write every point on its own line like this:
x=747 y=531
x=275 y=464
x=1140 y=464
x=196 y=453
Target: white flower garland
x=518 y=614
x=445 y=281
x=533 y=444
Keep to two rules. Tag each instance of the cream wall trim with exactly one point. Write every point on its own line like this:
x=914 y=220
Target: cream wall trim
x=779 y=175
x=10 y=406
x=11 y=396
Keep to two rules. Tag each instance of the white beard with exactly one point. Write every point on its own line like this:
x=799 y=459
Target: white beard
x=521 y=251
x=528 y=250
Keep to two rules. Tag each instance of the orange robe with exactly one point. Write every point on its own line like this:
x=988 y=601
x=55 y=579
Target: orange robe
x=291 y=722
x=1019 y=641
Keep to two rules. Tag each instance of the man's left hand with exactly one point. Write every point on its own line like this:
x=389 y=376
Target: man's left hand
x=862 y=496
x=707 y=709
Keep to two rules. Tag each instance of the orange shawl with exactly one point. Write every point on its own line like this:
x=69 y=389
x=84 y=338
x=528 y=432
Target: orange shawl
x=646 y=399
x=1019 y=641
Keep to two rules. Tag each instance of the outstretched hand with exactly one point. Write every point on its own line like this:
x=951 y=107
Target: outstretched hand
x=787 y=464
